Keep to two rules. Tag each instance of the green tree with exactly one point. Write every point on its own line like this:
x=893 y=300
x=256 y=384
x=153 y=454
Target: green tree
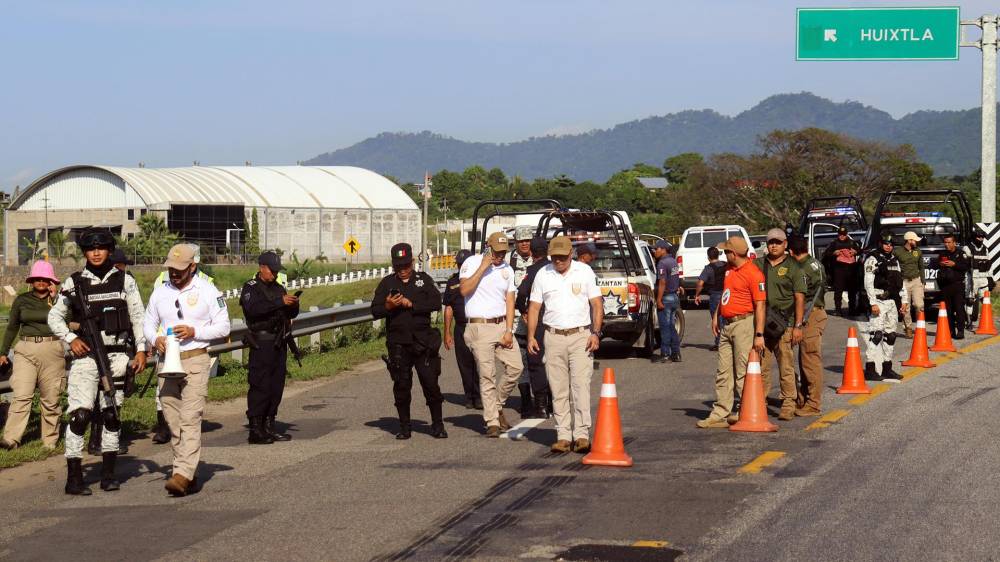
x=154 y=239
x=253 y=240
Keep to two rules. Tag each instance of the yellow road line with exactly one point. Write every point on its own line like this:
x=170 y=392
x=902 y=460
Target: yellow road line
x=825 y=421
x=758 y=464
x=650 y=544
x=862 y=398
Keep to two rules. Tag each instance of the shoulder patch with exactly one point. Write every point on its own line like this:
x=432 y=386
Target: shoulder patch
x=221 y=301
x=761 y=287
x=252 y=282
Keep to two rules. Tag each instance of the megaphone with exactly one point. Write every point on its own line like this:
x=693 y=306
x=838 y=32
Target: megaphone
x=172 y=367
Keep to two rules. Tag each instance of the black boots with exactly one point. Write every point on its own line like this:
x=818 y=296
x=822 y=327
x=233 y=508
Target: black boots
x=871 y=374
x=96 y=427
x=161 y=432
x=888 y=374
x=437 y=426
x=108 y=481
x=541 y=410
x=269 y=428
x=404 y=430
x=74 y=478
x=258 y=433
x=525 y=390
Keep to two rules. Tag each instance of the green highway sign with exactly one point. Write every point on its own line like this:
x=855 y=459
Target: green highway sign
x=877 y=33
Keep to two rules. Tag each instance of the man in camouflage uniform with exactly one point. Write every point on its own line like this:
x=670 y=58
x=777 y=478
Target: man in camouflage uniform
x=887 y=299
x=114 y=298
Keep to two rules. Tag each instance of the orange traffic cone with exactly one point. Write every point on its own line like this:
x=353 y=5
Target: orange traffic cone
x=854 y=375
x=753 y=411
x=986 y=326
x=942 y=340
x=608 y=448
x=918 y=352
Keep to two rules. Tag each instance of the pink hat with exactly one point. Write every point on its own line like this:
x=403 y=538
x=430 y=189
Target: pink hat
x=42 y=269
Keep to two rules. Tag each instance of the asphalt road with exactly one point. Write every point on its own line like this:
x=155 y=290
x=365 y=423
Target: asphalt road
x=902 y=475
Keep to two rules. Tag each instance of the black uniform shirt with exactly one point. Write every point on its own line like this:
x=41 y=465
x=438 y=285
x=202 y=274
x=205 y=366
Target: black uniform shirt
x=955 y=275
x=403 y=325
x=453 y=298
x=261 y=302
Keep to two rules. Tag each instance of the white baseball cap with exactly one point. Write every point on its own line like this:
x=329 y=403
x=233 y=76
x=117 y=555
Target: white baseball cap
x=910 y=235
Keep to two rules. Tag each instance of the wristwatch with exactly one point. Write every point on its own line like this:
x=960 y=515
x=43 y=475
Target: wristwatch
x=598 y=333
x=758 y=334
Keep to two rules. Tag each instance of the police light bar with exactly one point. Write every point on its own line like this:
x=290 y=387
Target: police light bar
x=912 y=214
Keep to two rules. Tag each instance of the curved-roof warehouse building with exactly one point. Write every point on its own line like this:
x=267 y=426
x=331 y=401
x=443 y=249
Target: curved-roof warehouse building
x=312 y=210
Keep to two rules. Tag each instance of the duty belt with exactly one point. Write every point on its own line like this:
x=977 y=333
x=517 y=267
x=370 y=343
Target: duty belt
x=262 y=335
x=496 y=320
x=568 y=331
x=739 y=317
x=39 y=339
x=193 y=353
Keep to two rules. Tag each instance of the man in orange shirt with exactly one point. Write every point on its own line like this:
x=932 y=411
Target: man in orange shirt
x=743 y=307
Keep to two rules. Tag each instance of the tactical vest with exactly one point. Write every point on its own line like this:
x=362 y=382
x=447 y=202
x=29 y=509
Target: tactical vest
x=718 y=277
x=107 y=303
x=980 y=257
x=888 y=274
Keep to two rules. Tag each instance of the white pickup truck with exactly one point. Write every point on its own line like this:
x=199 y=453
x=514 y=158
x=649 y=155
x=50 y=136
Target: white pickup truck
x=692 y=253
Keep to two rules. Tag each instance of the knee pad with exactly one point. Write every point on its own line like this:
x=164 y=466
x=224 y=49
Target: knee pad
x=110 y=417
x=890 y=338
x=876 y=337
x=79 y=419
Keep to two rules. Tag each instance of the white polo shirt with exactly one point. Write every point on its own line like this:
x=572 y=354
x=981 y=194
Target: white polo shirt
x=489 y=300
x=199 y=305
x=566 y=296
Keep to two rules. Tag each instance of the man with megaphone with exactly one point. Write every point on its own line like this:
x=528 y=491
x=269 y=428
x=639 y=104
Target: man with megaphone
x=190 y=312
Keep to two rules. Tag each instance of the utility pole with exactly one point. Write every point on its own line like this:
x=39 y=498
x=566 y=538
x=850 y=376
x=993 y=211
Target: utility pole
x=424 y=258
x=988 y=45
x=45 y=203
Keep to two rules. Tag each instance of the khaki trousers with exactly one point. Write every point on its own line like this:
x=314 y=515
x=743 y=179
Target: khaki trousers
x=782 y=351
x=36 y=365
x=915 y=287
x=569 y=368
x=811 y=360
x=183 y=401
x=735 y=342
x=484 y=341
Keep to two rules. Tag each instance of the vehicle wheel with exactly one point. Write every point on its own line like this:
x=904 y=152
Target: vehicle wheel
x=679 y=324
x=650 y=340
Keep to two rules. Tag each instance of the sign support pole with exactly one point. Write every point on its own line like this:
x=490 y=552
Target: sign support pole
x=988 y=171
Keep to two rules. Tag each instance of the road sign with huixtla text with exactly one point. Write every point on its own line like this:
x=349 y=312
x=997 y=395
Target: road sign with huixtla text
x=352 y=246
x=877 y=33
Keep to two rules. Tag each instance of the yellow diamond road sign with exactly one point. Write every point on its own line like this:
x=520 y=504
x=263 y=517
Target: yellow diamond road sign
x=352 y=246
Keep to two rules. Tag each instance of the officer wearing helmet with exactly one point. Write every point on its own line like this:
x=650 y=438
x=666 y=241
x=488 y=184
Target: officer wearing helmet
x=454 y=312
x=887 y=298
x=115 y=298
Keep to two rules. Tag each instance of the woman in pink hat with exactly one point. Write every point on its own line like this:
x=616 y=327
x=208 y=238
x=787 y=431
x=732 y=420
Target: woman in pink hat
x=39 y=359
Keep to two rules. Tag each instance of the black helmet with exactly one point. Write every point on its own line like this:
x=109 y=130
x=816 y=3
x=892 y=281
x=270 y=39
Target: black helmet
x=978 y=231
x=96 y=238
x=461 y=256
x=886 y=237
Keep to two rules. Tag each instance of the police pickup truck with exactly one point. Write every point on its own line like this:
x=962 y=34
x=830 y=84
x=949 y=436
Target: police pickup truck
x=930 y=214
x=824 y=216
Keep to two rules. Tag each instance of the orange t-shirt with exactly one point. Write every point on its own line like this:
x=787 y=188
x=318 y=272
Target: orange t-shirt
x=743 y=286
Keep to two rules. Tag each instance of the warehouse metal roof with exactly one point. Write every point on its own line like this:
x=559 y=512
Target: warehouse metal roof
x=89 y=187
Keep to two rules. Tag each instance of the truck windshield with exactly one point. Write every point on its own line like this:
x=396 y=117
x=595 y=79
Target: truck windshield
x=930 y=233
x=850 y=222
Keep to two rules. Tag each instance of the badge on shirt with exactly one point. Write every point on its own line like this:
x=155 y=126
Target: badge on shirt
x=419 y=283
x=815 y=266
x=577 y=287
x=506 y=274
x=782 y=271
x=725 y=296
x=192 y=298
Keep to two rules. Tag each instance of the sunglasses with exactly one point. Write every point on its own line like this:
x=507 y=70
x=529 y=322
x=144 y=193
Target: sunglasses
x=775 y=242
x=180 y=311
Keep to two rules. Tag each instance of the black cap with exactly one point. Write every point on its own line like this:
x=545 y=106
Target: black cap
x=978 y=231
x=461 y=256
x=402 y=254
x=539 y=246
x=118 y=256
x=271 y=260
x=662 y=245
x=842 y=230
x=586 y=248
x=96 y=238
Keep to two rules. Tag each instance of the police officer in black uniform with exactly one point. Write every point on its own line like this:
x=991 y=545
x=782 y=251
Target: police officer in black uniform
x=268 y=310
x=406 y=299
x=953 y=265
x=534 y=361
x=454 y=311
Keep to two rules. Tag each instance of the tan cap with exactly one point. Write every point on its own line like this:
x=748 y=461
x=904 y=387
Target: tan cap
x=181 y=256
x=910 y=235
x=776 y=234
x=560 y=246
x=498 y=242
x=735 y=244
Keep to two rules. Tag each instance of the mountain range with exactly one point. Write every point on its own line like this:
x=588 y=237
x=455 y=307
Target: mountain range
x=949 y=141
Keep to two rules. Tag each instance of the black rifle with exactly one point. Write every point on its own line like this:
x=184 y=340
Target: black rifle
x=96 y=343
x=286 y=338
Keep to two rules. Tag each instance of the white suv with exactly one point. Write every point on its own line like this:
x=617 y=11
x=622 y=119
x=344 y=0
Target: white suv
x=692 y=252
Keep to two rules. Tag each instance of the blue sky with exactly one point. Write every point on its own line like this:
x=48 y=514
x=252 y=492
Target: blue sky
x=115 y=82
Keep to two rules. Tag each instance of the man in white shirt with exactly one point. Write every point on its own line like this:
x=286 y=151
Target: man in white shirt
x=195 y=312
x=574 y=313
x=487 y=283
